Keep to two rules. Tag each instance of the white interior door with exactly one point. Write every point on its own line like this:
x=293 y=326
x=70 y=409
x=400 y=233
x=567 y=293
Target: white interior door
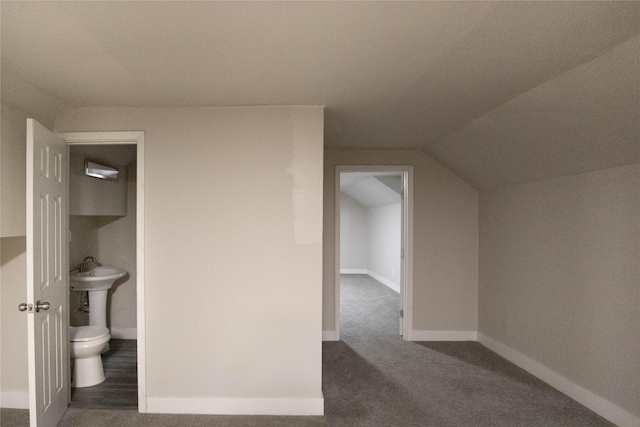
x=47 y=275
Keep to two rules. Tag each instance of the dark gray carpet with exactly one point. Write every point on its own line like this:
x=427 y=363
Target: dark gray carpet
x=374 y=378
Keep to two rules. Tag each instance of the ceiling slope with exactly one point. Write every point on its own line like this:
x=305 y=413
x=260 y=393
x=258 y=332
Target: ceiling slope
x=583 y=120
x=391 y=74
x=369 y=189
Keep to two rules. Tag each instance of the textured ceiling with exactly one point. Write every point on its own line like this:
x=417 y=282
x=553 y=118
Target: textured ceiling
x=499 y=92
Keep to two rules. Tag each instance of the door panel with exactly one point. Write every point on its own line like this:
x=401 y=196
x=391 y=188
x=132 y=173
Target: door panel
x=47 y=275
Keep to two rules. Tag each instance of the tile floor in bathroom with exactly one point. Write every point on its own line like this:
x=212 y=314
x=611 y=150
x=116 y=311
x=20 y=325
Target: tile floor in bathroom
x=120 y=389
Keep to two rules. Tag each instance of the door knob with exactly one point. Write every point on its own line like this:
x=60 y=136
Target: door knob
x=24 y=307
x=42 y=306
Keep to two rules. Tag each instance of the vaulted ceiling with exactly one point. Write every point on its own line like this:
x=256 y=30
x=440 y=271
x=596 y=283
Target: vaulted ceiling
x=499 y=92
x=372 y=189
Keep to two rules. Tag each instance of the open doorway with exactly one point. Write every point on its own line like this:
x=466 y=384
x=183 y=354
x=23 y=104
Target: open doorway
x=102 y=232
x=118 y=240
x=373 y=247
x=51 y=342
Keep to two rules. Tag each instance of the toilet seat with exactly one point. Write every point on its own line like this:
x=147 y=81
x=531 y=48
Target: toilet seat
x=87 y=333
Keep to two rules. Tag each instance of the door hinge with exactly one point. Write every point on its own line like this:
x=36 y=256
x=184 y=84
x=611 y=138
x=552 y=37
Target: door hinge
x=402 y=313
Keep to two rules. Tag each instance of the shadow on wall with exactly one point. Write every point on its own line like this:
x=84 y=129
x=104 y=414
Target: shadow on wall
x=113 y=289
x=12 y=247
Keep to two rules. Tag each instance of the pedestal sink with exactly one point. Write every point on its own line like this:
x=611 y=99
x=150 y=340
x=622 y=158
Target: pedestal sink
x=97 y=282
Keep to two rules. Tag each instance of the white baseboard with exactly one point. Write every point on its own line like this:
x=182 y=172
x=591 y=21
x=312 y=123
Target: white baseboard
x=443 y=335
x=597 y=404
x=14 y=399
x=330 y=336
x=388 y=283
x=353 y=271
x=124 y=333
x=214 y=406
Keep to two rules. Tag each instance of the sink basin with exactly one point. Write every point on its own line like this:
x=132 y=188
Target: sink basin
x=98 y=279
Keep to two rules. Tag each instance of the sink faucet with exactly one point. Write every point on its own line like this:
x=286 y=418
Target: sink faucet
x=85 y=263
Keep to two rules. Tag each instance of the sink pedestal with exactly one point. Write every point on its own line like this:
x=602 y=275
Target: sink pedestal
x=96 y=283
x=98 y=308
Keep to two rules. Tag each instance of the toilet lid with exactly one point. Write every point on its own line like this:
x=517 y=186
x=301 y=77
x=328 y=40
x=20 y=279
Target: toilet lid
x=87 y=333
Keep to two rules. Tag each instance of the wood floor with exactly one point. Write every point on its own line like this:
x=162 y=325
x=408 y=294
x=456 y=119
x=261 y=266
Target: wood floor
x=120 y=389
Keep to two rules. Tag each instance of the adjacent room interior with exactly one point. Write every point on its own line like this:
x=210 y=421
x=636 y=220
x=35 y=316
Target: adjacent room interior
x=371 y=230
x=102 y=225
x=519 y=123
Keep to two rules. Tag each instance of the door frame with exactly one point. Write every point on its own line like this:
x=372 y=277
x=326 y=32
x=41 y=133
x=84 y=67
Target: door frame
x=133 y=138
x=406 y=285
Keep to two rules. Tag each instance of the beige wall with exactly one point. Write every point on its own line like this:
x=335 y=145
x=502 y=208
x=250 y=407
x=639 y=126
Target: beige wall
x=445 y=240
x=13 y=264
x=353 y=231
x=92 y=196
x=13 y=272
x=19 y=101
x=385 y=242
x=233 y=200
x=560 y=277
x=14 y=178
x=117 y=248
x=13 y=183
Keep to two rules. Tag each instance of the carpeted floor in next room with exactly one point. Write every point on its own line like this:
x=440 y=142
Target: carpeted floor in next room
x=374 y=378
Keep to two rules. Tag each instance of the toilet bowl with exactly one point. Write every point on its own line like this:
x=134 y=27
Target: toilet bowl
x=86 y=343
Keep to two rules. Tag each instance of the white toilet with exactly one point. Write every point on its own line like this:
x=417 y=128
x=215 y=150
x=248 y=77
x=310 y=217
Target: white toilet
x=87 y=342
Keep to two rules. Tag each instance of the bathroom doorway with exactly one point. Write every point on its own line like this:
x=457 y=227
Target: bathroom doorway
x=110 y=228
x=102 y=226
x=373 y=217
